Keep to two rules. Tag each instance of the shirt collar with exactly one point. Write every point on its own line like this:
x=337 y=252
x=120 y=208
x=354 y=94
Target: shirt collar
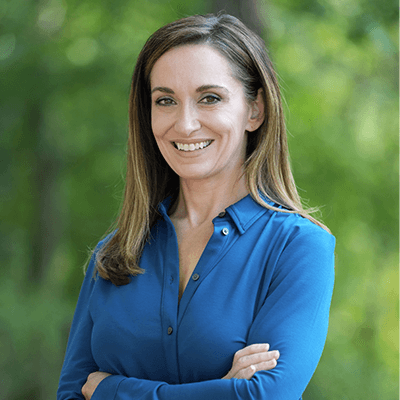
x=247 y=211
x=243 y=213
x=163 y=207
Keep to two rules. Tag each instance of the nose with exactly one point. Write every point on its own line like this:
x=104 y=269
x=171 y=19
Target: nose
x=187 y=120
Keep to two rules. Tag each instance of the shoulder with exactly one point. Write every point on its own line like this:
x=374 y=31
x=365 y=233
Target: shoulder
x=97 y=254
x=306 y=249
x=293 y=227
x=100 y=245
x=301 y=227
x=298 y=245
x=303 y=253
x=309 y=241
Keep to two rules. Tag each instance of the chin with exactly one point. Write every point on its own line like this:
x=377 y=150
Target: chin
x=193 y=173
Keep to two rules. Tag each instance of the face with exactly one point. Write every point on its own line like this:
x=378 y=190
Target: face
x=199 y=113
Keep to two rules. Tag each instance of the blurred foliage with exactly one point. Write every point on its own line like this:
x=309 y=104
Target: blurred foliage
x=338 y=67
x=65 y=75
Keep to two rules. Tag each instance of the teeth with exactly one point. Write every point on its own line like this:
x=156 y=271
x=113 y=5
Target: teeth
x=192 y=146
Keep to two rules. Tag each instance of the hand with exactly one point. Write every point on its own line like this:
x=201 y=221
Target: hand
x=251 y=359
x=92 y=382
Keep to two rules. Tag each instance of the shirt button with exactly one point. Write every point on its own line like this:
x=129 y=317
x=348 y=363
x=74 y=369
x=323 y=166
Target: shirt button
x=195 y=277
x=222 y=214
x=170 y=330
x=225 y=231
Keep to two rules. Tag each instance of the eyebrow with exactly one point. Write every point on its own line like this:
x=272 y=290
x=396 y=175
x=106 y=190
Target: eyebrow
x=200 y=89
x=162 y=89
x=208 y=87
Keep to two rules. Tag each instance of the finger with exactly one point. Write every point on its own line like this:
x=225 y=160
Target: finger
x=241 y=361
x=265 y=365
x=246 y=373
x=246 y=361
x=249 y=350
x=258 y=357
x=253 y=354
x=253 y=348
x=91 y=376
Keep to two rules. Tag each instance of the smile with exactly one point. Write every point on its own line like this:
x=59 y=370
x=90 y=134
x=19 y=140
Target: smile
x=192 y=146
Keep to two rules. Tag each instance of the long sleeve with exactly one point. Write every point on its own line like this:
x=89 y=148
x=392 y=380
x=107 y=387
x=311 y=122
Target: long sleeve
x=79 y=362
x=292 y=317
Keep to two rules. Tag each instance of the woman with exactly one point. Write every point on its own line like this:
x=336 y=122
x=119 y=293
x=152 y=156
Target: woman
x=217 y=283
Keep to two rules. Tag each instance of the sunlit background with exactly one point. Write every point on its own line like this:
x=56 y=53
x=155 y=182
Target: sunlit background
x=65 y=70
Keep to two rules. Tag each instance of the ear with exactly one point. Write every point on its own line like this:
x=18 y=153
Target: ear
x=256 y=113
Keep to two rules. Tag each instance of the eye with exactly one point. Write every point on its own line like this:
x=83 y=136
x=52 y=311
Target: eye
x=165 y=101
x=210 y=99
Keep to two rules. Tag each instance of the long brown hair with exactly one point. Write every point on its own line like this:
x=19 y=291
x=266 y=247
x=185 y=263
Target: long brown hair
x=149 y=179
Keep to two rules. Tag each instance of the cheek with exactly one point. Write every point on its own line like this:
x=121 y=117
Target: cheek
x=219 y=123
x=232 y=126
x=154 y=123
x=233 y=117
x=160 y=124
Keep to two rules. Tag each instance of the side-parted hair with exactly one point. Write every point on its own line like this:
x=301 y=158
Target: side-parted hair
x=149 y=179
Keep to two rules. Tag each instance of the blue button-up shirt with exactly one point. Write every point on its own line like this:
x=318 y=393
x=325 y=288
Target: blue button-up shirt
x=264 y=277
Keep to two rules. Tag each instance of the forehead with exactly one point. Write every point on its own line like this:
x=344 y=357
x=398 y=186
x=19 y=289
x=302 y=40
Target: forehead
x=195 y=64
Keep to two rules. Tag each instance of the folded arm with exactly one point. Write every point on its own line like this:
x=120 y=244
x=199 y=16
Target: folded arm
x=293 y=319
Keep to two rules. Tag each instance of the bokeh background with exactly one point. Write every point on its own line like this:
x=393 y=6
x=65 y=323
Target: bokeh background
x=65 y=70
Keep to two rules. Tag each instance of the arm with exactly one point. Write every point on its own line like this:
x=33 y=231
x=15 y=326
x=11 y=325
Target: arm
x=78 y=362
x=246 y=363
x=293 y=319
x=79 y=365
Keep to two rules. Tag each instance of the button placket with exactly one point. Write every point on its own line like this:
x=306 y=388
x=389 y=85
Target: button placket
x=212 y=253
x=170 y=299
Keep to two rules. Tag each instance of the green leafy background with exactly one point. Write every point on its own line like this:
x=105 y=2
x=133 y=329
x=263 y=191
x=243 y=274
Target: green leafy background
x=65 y=69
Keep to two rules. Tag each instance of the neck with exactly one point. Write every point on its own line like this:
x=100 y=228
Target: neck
x=200 y=201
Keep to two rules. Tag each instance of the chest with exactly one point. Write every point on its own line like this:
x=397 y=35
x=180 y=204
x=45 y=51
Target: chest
x=191 y=245
x=140 y=329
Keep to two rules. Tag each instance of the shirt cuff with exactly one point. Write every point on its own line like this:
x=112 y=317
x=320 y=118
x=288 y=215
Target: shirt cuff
x=107 y=388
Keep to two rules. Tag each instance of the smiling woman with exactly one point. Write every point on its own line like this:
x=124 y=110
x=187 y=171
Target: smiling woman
x=199 y=107
x=216 y=283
